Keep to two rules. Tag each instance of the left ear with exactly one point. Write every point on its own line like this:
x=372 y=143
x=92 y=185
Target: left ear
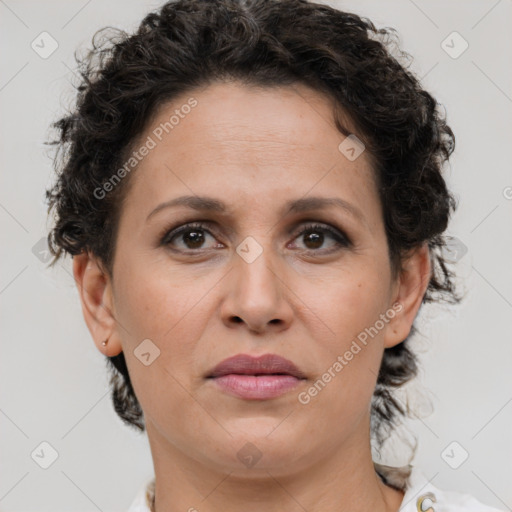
x=408 y=295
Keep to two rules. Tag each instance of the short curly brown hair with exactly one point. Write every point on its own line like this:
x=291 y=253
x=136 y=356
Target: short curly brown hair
x=192 y=43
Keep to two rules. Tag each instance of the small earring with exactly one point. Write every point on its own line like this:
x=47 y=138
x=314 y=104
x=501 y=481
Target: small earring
x=104 y=343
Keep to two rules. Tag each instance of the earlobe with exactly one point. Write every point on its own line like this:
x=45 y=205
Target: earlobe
x=95 y=292
x=413 y=282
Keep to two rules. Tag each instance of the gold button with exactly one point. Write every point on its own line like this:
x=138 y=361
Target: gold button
x=422 y=503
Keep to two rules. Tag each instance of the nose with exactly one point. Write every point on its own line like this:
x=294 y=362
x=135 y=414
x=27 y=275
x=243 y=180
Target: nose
x=257 y=291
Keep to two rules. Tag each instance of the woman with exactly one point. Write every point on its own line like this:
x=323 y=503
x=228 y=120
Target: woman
x=252 y=195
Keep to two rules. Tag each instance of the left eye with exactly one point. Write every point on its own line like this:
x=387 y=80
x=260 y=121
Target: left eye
x=313 y=235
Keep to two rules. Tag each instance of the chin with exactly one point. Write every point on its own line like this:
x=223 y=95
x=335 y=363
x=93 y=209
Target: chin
x=261 y=444
x=262 y=429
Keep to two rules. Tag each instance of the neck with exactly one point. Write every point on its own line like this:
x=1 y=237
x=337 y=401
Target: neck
x=345 y=480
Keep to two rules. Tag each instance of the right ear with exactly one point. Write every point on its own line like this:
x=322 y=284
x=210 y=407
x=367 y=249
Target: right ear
x=95 y=291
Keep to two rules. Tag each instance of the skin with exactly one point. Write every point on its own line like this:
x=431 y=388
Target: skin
x=254 y=149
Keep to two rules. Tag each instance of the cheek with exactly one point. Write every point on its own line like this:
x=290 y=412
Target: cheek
x=348 y=338
x=156 y=304
x=167 y=310
x=349 y=354
x=348 y=303
x=152 y=307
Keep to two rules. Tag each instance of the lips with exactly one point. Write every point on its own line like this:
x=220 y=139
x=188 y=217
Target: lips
x=267 y=364
x=256 y=378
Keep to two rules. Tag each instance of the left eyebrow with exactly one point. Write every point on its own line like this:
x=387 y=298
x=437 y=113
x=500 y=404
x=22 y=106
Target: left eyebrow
x=318 y=203
x=203 y=203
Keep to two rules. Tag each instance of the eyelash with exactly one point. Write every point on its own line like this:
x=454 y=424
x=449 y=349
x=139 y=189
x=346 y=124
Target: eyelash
x=342 y=241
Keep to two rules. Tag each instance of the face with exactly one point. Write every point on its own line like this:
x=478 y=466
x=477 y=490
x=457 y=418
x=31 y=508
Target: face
x=254 y=277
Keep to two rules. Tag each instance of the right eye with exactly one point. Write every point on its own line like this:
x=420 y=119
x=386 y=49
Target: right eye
x=192 y=235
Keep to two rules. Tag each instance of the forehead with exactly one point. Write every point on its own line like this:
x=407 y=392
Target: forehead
x=240 y=142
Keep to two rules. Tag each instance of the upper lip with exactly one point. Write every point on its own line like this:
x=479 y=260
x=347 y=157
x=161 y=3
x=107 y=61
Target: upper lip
x=244 y=364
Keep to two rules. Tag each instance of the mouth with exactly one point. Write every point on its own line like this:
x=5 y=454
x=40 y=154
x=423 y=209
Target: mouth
x=267 y=364
x=256 y=378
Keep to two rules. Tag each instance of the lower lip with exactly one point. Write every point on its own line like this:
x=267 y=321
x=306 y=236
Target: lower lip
x=254 y=387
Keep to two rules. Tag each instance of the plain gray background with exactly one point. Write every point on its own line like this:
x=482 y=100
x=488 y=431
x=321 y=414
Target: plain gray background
x=54 y=381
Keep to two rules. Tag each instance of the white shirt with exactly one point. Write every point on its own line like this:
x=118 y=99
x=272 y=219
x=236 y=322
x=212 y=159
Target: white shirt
x=419 y=494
